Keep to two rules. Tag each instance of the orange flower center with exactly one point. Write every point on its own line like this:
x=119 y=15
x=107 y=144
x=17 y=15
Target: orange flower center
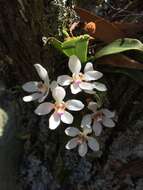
x=60 y=108
x=98 y=116
x=78 y=78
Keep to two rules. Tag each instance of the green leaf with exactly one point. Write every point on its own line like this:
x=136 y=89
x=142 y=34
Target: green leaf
x=77 y=46
x=119 y=46
x=73 y=46
x=56 y=43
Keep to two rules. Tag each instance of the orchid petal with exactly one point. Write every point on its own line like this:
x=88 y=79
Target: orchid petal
x=93 y=144
x=92 y=75
x=74 y=105
x=86 y=86
x=53 y=85
x=107 y=122
x=74 y=64
x=72 y=143
x=97 y=128
x=89 y=91
x=54 y=121
x=88 y=67
x=64 y=80
x=72 y=131
x=44 y=108
x=92 y=106
x=99 y=86
x=43 y=74
x=32 y=97
x=67 y=118
x=82 y=149
x=43 y=97
x=58 y=94
x=31 y=86
x=75 y=88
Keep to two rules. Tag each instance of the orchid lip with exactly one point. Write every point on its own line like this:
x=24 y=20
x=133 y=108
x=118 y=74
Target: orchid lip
x=60 y=113
x=77 y=82
x=60 y=108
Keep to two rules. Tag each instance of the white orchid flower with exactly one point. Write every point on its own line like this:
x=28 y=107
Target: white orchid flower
x=40 y=89
x=81 y=138
x=96 y=85
x=80 y=81
x=101 y=117
x=59 y=107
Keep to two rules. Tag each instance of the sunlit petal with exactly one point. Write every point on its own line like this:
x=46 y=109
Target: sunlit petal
x=72 y=131
x=64 y=80
x=75 y=88
x=93 y=144
x=67 y=118
x=89 y=91
x=86 y=86
x=92 y=75
x=82 y=149
x=99 y=86
x=43 y=74
x=58 y=94
x=53 y=85
x=88 y=67
x=44 y=108
x=54 y=121
x=74 y=105
x=74 y=64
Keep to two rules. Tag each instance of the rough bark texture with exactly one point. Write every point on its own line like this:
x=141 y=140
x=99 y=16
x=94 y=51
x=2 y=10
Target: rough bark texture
x=45 y=164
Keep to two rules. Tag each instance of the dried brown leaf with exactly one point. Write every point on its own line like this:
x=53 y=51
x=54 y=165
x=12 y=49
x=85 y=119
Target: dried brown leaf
x=120 y=60
x=105 y=30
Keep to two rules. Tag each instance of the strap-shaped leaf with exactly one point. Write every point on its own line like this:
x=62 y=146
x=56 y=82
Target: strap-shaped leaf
x=119 y=46
x=133 y=74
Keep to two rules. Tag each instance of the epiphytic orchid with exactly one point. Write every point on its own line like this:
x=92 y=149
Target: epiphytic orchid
x=82 y=138
x=101 y=117
x=40 y=89
x=59 y=107
x=80 y=81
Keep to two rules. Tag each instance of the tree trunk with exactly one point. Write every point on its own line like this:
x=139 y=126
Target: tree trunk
x=23 y=23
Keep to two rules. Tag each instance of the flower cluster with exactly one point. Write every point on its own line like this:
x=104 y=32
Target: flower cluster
x=86 y=82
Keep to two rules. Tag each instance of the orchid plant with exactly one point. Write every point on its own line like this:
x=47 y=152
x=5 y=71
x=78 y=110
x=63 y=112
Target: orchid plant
x=79 y=82
x=40 y=89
